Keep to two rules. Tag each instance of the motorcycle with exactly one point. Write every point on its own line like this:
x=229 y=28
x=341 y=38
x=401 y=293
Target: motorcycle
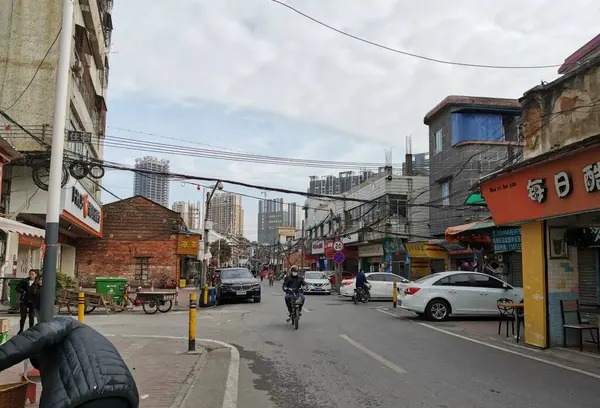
x=296 y=302
x=361 y=295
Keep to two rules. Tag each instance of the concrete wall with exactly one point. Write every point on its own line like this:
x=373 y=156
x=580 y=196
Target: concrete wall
x=551 y=117
x=462 y=166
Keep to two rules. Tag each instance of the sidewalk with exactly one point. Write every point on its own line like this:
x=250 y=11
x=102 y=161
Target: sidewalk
x=166 y=376
x=485 y=331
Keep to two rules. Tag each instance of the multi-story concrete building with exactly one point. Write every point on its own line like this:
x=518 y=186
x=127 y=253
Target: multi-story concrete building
x=345 y=181
x=152 y=186
x=29 y=37
x=190 y=212
x=227 y=214
x=420 y=165
x=273 y=214
x=389 y=209
x=469 y=137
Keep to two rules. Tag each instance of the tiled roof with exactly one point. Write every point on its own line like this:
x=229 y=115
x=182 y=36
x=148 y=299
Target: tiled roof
x=580 y=54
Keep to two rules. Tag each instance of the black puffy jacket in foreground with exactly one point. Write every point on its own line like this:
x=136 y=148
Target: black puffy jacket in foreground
x=77 y=364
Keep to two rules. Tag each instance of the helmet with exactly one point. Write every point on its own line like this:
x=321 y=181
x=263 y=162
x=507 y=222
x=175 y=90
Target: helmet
x=294 y=270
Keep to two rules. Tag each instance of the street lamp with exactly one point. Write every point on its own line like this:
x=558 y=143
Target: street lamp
x=218 y=186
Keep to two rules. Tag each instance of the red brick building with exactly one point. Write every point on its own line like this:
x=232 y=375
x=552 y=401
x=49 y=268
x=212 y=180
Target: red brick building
x=139 y=242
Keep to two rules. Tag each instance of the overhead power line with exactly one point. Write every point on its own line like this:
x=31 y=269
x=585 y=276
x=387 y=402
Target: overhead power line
x=410 y=54
x=36 y=71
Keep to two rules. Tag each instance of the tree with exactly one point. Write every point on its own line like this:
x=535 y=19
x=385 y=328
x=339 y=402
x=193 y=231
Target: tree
x=222 y=250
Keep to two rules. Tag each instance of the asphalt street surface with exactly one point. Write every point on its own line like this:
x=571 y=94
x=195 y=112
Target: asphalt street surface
x=347 y=355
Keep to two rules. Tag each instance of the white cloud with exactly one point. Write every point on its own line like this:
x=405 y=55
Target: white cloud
x=256 y=54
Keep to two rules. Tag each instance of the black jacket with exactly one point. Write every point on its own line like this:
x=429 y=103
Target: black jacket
x=25 y=290
x=293 y=282
x=77 y=364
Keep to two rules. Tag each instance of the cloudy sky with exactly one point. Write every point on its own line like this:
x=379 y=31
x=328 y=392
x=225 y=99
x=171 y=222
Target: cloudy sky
x=252 y=76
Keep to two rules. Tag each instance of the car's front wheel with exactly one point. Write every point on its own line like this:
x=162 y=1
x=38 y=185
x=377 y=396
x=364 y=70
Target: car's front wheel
x=438 y=310
x=257 y=299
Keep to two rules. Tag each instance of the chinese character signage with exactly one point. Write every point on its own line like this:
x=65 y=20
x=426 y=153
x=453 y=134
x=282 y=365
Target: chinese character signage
x=188 y=244
x=566 y=185
x=507 y=239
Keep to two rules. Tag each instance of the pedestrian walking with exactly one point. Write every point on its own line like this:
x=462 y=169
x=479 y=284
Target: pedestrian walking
x=262 y=275
x=271 y=277
x=24 y=289
x=37 y=296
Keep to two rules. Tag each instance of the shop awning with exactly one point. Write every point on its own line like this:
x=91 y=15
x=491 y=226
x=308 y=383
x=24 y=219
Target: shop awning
x=476 y=199
x=9 y=225
x=470 y=228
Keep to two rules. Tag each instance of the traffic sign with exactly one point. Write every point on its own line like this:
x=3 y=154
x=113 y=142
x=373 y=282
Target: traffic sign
x=339 y=257
x=338 y=246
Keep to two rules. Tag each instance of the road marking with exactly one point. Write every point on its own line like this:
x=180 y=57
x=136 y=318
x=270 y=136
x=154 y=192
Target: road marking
x=231 y=386
x=306 y=310
x=538 y=359
x=390 y=314
x=374 y=355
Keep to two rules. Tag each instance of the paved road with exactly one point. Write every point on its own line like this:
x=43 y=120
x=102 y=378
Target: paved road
x=347 y=355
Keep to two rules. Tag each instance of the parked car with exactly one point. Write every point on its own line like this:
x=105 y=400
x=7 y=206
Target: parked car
x=382 y=285
x=440 y=295
x=238 y=283
x=317 y=282
x=345 y=275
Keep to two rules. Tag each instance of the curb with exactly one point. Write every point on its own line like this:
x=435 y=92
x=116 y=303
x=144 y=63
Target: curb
x=184 y=391
x=230 y=395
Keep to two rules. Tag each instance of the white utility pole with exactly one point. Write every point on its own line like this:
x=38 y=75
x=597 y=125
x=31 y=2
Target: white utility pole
x=56 y=162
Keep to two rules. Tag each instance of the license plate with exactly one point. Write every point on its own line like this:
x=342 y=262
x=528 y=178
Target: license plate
x=318 y=288
x=240 y=292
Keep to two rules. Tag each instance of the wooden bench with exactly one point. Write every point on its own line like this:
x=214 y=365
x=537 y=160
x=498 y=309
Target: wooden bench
x=572 y=307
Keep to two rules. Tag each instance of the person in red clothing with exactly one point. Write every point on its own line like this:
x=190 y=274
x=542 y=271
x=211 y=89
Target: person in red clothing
x=262 y=275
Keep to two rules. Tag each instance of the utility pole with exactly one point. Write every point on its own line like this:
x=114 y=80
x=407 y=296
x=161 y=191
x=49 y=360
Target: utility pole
x=56 y=163
x=209 y=196
x=302 y=248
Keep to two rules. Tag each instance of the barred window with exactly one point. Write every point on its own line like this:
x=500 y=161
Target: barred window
x=141 y=268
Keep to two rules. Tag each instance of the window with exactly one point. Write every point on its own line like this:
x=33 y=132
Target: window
x=461 y=279
x=376 y=278
x=438 y=141
x=446 y=193
x=141 y=268
x=485 y=281
x=395 y=278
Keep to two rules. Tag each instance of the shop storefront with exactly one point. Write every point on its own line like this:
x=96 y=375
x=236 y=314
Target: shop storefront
x=371 y=258
x=425 y=258
x=395 y=256
x=553 y=197
x=318 y=252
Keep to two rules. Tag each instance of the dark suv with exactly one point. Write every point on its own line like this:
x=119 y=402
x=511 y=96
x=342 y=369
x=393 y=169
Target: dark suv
x=238 y=283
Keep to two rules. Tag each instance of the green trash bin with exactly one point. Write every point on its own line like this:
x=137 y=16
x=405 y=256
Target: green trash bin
x=111 y=286
x=13 y=296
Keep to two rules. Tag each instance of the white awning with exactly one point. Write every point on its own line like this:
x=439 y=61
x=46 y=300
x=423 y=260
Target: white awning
x=9 y=225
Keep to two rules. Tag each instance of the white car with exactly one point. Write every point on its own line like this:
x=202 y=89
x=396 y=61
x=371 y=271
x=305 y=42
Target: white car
x=382 y=285
x=317 y=282
x=440 y=295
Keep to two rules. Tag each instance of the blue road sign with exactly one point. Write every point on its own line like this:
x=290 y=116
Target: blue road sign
x=339 y=257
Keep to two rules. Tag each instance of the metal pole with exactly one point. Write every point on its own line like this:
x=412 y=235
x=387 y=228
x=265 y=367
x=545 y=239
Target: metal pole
x=302 y=248
x=206 y=244
x=192 y=324
x=56 y=163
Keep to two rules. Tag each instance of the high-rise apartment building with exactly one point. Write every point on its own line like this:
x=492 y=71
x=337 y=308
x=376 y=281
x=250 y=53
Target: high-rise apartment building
x=273 y=214
x=339 y=184
x=190 y=213
x=152 y=186
x=227 y=214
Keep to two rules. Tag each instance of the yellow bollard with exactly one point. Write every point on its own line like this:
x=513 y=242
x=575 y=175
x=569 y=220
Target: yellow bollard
x=395 y=294
x=205 y=297
x=81 y=306
x=192 y=334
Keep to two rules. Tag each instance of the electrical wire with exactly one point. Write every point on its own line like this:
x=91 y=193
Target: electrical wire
x=36 y=71
x=422 y=57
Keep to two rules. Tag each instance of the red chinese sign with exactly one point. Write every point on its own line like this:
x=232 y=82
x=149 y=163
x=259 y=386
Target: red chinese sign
x=563 y=186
